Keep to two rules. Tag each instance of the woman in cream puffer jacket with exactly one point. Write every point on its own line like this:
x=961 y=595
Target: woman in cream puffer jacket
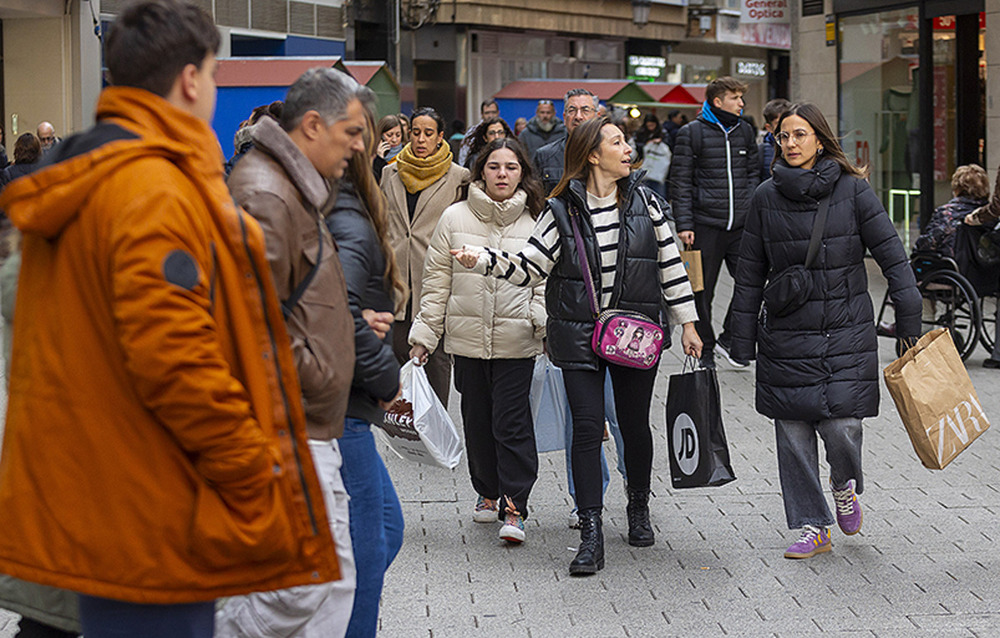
x=494 y=329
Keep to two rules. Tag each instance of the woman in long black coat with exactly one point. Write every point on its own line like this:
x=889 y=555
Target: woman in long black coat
x=817 y=367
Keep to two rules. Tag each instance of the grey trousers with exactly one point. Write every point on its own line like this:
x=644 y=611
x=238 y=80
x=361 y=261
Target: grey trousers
x=798 y=466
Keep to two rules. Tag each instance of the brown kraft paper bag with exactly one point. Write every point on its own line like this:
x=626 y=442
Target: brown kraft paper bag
x=692 y=264
x=936 y=399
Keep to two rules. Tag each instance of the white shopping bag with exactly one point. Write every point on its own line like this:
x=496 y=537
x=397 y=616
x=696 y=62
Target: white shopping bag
x=549 y=406
x=417 y=426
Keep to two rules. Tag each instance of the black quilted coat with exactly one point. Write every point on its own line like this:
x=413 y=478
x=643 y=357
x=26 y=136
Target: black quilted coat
x=713 y=174
x=820 y=361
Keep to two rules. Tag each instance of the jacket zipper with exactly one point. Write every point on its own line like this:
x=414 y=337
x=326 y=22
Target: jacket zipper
x=281 y=382
x=729 y=174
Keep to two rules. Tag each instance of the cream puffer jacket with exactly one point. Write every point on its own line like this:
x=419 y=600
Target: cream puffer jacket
x=483 y=317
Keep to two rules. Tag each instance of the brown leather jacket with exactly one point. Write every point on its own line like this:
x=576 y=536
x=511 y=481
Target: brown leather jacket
x=278 y=185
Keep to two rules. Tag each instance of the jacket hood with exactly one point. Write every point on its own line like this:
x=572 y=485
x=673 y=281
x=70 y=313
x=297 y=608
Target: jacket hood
x=489 y=210
x=806 y=184
x=269 y=137
x=537 y=129
x=132 y=123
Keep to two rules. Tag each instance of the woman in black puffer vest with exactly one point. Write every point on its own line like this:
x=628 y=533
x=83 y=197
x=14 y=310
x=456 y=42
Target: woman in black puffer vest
x=634 y=261
x=817 y=367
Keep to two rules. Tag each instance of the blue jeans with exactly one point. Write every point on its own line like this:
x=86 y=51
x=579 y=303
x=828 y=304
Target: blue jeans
x=376 y=521
x=798 y=466
x=106 y=618
x=611 y=416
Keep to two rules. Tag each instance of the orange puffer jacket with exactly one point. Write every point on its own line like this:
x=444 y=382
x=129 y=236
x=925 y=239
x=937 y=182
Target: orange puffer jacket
x=155 y=445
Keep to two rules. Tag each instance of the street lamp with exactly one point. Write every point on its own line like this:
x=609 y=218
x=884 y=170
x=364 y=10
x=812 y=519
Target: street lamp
x=640 y=12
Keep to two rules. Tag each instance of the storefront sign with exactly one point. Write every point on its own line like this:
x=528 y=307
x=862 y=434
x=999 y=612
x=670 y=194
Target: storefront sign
x=831 y=31
x=749 y=69
x=765 y=12
x=646 y=68
x=772 y=36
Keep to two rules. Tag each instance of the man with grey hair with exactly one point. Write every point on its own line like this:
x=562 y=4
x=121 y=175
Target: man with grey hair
x=284 y=183
x=542 y=129
x=579 y=105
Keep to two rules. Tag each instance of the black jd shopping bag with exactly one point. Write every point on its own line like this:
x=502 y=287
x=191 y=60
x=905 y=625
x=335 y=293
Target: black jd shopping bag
x=696 y=440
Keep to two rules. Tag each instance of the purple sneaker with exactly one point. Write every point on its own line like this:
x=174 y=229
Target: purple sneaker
x=813 y=541
x=848 y=509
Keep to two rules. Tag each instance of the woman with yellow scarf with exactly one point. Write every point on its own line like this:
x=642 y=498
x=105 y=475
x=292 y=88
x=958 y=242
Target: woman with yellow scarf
x=421 y=183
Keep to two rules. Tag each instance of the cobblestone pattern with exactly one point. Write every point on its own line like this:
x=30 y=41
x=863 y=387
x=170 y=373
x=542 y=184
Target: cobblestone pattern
x=924 y=563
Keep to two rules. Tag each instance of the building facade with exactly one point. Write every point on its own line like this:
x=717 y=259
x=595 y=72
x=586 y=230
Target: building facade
x=905 y=83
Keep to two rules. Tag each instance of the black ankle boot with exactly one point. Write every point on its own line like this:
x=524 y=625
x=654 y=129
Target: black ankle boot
x=590 y=558
x=640 y=531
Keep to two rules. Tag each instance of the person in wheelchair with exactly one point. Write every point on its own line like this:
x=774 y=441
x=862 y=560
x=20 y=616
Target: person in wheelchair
x=951 y=279
x=970 y=189
x=989 y=216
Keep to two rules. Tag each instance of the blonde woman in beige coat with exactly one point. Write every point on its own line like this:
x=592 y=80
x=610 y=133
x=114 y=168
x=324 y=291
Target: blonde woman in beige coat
x=494 y=329
x=421 y=183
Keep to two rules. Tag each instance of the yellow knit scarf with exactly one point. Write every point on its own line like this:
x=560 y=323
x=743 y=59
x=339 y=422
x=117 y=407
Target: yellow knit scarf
x=416 y=173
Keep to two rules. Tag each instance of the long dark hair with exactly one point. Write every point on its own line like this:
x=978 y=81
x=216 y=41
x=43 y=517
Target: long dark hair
x=831 y=145
x=359 y=172
x=583 y=141
x=27 y=149
x=477 y=141
x=530 y=183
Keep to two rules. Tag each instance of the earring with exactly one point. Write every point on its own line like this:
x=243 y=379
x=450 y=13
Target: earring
x=820 y=151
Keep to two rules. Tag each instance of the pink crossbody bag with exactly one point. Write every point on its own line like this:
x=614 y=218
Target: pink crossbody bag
x=622 y=337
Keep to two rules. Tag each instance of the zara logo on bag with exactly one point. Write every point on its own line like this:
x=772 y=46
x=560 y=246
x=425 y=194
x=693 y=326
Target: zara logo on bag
x=957 y=426
x=685 y=444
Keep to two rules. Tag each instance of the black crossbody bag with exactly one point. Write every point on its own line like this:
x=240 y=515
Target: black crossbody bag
x=790 y=290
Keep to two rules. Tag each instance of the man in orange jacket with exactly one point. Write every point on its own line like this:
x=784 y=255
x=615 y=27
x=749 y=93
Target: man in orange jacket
x=155 y=455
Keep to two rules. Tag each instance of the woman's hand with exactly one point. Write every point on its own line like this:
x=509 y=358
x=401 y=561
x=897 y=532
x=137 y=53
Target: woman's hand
x=419 y=354
x=380 y=322
x=972 y=219
x=686 y=237
x=690 y=341
x=383 y=148
x=467 y=258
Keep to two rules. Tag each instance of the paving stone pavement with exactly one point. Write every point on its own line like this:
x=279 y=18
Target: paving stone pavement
x=924 y=563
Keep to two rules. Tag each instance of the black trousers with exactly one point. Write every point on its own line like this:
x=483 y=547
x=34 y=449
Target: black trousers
x=717 y=245
x=438 y=366
x=633 y=390
x=29 y=628
x=499 y=433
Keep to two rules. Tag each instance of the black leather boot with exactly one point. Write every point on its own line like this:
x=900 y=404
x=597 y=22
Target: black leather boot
x=590 y=557
x=640 y=531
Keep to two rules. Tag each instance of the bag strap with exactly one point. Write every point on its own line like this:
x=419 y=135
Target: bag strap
x=584 y=262
x=817 y=234
x=289 y=304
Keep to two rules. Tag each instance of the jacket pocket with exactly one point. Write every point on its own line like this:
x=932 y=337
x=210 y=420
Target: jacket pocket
x=237 y=531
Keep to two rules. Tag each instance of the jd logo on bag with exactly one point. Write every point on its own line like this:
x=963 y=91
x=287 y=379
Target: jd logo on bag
x=696 y=439
x=936 y=399
x=685 y=439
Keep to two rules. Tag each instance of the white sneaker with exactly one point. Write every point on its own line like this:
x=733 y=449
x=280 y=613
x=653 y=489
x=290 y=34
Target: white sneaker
x=736 y=363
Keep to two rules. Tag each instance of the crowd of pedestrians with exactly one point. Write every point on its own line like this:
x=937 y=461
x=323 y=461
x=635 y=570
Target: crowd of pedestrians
x=238 y=330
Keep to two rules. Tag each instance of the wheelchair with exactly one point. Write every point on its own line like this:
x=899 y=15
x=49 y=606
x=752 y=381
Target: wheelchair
x=949 y=301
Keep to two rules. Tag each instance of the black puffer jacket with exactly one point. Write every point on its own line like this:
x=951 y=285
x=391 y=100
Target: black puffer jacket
x=713 y=173
x=570 y=323
x=376 y=371
x=820 y=361
x=550 y=160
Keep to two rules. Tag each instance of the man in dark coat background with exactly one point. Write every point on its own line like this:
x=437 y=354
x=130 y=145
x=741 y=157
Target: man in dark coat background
x=542 y=129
